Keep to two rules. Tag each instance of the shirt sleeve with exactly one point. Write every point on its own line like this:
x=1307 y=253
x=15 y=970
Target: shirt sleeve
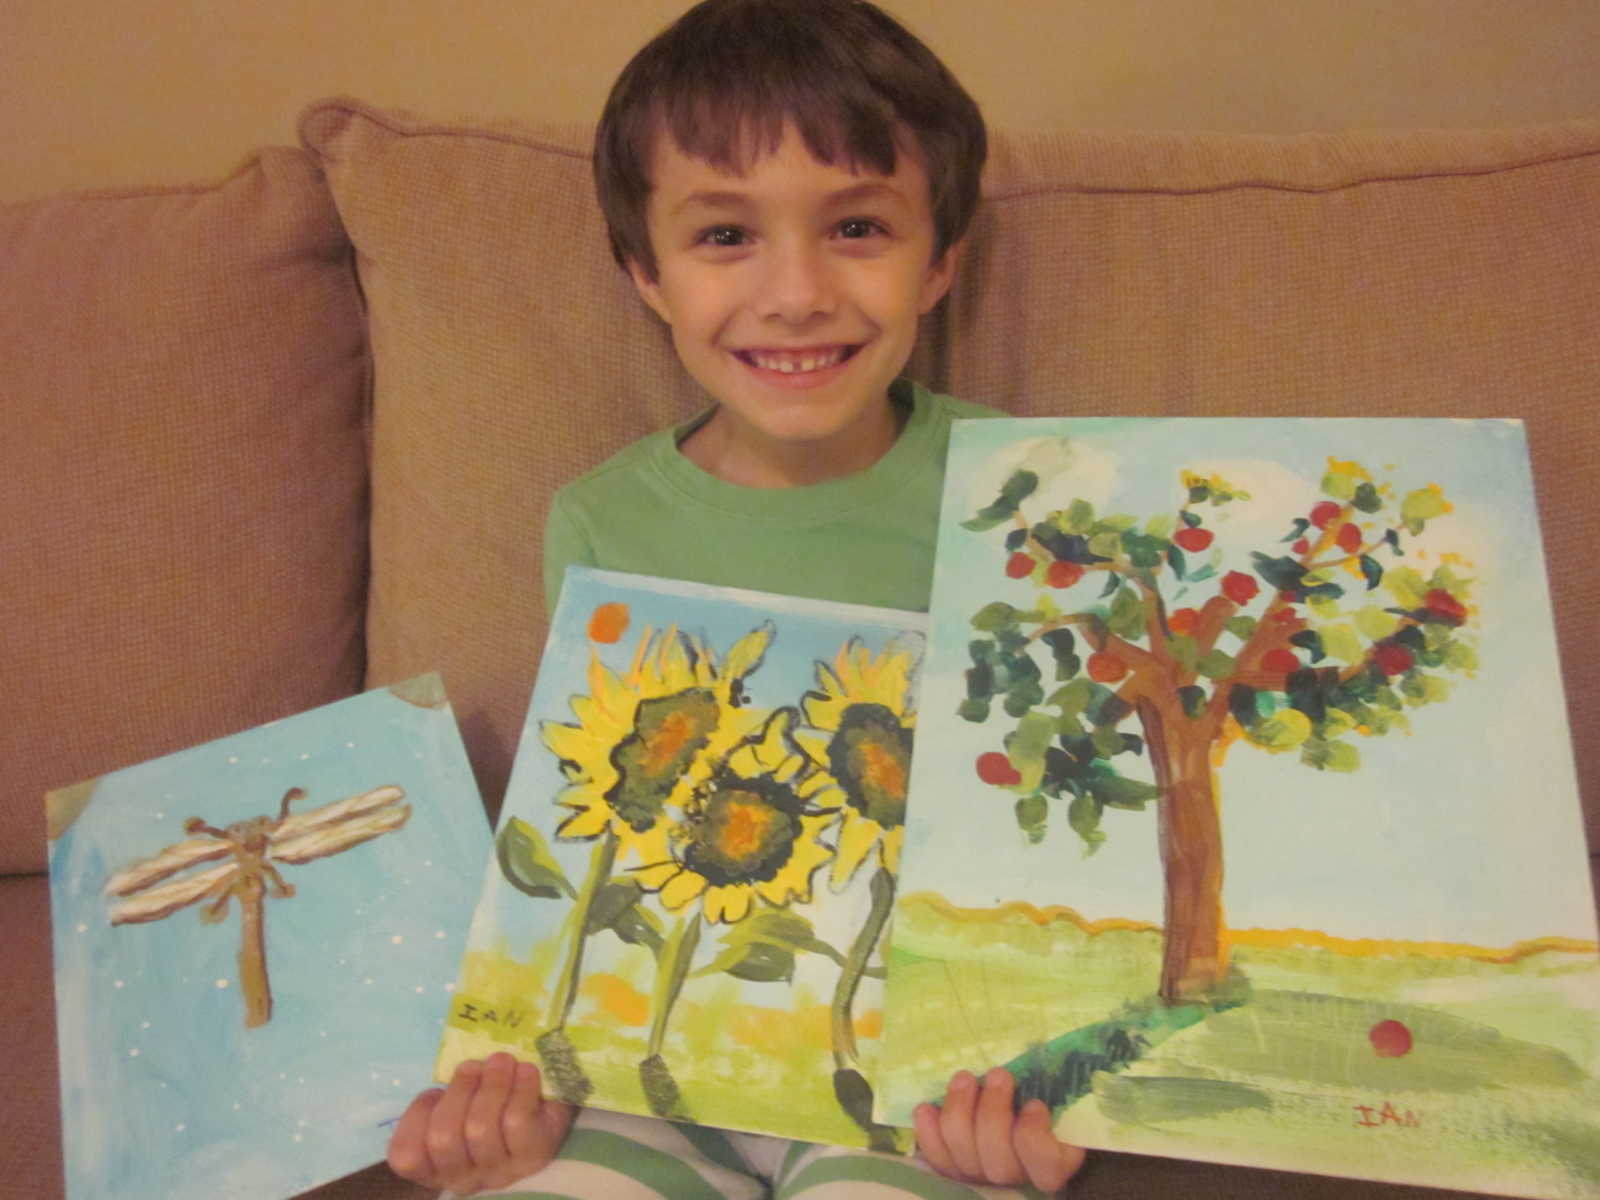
x=565 y=544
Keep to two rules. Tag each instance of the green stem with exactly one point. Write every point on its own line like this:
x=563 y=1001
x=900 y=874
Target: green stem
x=855 y=966
x=566 y=990
x=671 y=970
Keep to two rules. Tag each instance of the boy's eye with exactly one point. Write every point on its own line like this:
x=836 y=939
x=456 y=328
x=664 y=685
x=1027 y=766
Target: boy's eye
x=859 y=227
x=723 y=235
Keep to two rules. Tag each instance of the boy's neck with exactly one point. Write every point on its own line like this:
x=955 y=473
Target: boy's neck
x=729 y=450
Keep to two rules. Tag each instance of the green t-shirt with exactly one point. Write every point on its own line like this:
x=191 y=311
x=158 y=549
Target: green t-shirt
x=865 y=538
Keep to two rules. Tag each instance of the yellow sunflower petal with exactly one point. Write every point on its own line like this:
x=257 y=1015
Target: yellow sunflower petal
x=728 y=905
x=889 y=849
x=857 y=836
x=745 y=656
x=589 y=821
x=682 y=888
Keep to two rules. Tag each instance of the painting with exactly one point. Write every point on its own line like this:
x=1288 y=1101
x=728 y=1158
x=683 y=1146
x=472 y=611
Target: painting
x=254 y=942
x=696 y=858
x=1245 y=825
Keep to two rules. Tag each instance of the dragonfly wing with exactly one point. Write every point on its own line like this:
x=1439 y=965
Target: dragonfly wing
x=162 y=901
x=340 y=810
x=321 y=842
x=170 y=861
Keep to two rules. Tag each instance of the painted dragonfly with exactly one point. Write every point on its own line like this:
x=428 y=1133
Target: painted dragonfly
x=252 y=847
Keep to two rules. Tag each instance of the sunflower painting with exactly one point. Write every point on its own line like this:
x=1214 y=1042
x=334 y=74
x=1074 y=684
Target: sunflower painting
x=696 y=858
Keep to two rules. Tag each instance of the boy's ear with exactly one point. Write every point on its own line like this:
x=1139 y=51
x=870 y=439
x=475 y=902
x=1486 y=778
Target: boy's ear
x=941 y=274
x=649 y=290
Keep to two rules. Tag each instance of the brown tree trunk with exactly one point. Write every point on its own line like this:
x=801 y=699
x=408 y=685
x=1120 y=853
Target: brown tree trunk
x=1194 y=961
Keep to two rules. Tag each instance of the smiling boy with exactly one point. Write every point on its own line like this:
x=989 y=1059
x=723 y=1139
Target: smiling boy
x=787 y=183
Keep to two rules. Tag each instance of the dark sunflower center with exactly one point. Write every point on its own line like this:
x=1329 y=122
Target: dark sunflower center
x=744 y=832
x=870 y=756
x=668 y=731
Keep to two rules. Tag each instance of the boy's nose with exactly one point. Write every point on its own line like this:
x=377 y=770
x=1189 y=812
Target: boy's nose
x=796 y=286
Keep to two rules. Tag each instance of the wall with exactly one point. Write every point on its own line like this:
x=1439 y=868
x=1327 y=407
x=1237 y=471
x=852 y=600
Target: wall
x=112 y=93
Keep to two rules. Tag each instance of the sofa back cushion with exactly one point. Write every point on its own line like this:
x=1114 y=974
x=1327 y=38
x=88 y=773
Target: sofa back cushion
x=183 y=539
x=1446 y=274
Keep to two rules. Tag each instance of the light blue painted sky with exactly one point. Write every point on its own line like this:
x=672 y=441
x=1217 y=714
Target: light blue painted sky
x=166 y=1094
x=1467 y=829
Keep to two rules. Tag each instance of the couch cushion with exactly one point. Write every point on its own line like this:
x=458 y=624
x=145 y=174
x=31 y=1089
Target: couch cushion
x=184 y=538
x=1445 y=274
x=510 y=354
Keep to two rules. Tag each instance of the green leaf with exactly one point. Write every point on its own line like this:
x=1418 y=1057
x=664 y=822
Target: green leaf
x=1371 y=571
x=1281 y=574
x=1142 y=550
x=1113 y=582
x=1330 y=756
x=1107 y=742
x=616 y=907
x=1367 y=498
x=994 y=616
x=1126 y=618
x=1015 y=490
x=976 y=711
x=1421 y=506
x=1176 y=561
x=1033 y=816
x=1073 y=697
x=1025 y=747
x=1301 y=524
x=1079 y=517
x=527 y=863
x=762 y=947
x=1115 y=791
x=1241 y=627
x=1193 y=700
x=1083 y=814
x=1217 y=665
x=1309 y=640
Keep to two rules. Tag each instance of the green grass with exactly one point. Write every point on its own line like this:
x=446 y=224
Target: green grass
x=1498 y=1092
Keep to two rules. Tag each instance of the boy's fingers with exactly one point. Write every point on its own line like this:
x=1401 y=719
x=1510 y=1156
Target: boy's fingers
x=930 y=1141
x=526 y=1120
x=993 y=1129
x=956 y=1124
x=1049 y=1163
x=486 y=1141
x=446 y=1137
x=408 y=1145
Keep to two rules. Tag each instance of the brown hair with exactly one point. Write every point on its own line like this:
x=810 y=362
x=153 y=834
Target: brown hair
x=728 y=75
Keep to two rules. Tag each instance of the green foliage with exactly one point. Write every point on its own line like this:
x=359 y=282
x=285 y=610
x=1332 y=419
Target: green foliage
x=527 y=864
x=1361 y=665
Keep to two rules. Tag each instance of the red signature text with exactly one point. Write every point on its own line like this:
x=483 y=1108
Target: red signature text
x=1369 y=1117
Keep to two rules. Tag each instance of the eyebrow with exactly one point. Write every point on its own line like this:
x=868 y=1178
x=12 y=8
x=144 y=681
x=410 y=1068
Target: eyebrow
x=855 y=194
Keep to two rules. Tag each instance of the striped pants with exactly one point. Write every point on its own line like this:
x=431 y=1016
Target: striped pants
x=614 y=1156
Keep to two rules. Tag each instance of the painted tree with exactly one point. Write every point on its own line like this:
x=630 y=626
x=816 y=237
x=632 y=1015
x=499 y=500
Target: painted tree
x=1302 y=653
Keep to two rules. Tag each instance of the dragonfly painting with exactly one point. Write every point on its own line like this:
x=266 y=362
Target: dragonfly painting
x=251 y=847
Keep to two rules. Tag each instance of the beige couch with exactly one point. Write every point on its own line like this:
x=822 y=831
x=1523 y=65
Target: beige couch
x=274 y=440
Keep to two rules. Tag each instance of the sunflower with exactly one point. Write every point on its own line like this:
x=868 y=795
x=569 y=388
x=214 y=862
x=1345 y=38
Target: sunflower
x=865 y=703
x=644 y=739
x=748 y=831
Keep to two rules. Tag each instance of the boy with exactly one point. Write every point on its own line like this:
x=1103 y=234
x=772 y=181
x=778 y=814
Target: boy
x=788 y=183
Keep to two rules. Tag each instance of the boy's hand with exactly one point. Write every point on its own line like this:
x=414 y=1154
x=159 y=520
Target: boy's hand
x=489 y=1128
x=975 y=1137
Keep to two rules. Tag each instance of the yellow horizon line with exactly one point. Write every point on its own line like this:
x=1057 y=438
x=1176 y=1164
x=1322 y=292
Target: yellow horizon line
x=1273 y=939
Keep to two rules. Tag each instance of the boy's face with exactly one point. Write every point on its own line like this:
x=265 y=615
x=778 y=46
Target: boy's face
x=793 y=292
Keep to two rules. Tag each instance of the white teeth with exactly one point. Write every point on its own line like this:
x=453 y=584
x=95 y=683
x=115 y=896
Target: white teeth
x=789 y=364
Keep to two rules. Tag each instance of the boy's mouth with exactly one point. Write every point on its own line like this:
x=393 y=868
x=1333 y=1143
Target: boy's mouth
x=795 y=362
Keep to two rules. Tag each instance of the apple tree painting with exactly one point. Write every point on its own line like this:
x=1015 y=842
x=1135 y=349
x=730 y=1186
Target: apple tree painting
x=702 y=830
x=1244 y=824
x=1304 y=649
